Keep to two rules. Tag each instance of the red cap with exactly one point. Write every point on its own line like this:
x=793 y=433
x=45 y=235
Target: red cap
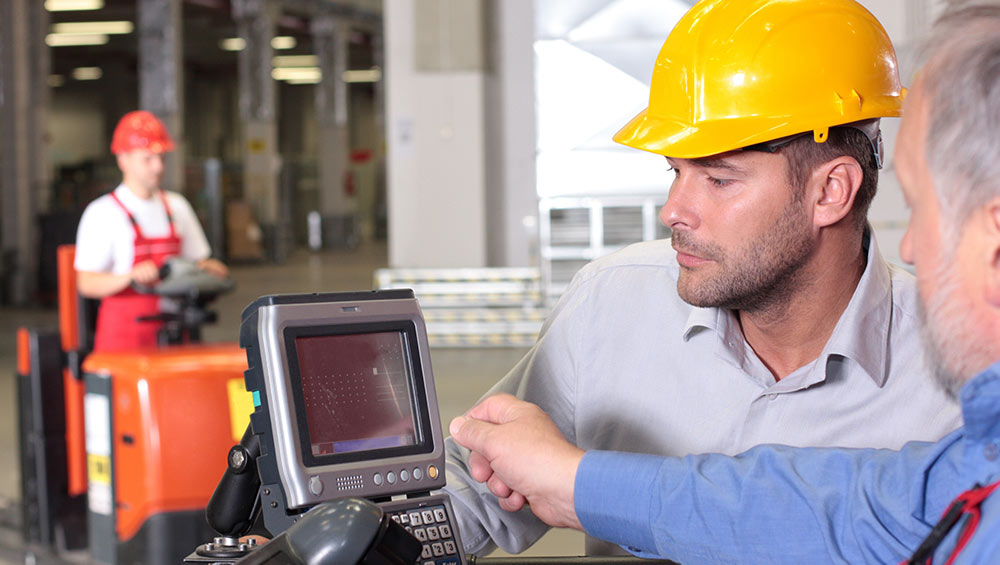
x=141 y=130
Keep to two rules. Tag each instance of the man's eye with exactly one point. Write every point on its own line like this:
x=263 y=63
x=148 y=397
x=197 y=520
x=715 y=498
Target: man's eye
x=719 y=182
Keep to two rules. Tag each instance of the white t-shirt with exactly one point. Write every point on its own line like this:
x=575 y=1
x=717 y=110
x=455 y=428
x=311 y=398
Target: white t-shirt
x=105 y=237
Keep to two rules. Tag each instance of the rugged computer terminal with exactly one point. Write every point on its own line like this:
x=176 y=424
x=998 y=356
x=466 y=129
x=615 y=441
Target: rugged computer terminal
x=346 y=407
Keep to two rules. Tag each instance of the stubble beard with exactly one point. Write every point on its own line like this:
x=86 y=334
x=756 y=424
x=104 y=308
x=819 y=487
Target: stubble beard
x=760 y=277
x=954 y=352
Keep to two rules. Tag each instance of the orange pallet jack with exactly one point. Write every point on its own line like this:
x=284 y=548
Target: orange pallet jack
x=121 y=451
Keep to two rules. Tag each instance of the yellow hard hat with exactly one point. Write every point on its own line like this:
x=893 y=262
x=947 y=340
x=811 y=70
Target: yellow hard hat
x=735 y=73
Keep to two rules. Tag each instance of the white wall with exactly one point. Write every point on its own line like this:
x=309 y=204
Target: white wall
x=435 y=153
x=437 y=146
x=905 y=21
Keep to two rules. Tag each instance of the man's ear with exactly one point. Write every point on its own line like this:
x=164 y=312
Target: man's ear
x=992 y=250
x=837 y=183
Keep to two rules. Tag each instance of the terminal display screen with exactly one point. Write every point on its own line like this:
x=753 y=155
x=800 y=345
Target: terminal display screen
x=356 y=391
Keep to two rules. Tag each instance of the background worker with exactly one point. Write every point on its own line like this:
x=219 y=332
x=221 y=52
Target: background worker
x=776 y=504
x=770 y=316
x=125 y=236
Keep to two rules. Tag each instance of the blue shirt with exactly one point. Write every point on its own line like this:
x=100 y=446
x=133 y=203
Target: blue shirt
x=776 y=504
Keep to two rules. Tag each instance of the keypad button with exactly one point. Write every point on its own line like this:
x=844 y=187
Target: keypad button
x=427 y=516
x=404 y=519
x=432 y=533
x=420 y=534
x=439 y=515
x=417 y=474
x=404 y=475
x=415 y=519
x=438 y=549
x=449 y=547
x=377 y=479
x=445 y=530
x=426 y=553
x=390 y=477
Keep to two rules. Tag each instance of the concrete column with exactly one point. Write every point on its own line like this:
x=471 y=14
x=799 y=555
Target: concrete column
x=434 y=100
x=330 y=40
x=255 y=21
x=509 y=88
x=24 y=163
x=161 y=76
x=378 y=104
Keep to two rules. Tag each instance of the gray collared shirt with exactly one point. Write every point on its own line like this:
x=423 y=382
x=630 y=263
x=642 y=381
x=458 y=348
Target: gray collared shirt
x=624 y=364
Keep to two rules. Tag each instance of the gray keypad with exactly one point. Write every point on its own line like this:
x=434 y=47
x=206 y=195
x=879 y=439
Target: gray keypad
x=431 y=527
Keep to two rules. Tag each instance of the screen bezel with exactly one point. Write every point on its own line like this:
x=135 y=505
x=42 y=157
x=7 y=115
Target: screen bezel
x=424 y=443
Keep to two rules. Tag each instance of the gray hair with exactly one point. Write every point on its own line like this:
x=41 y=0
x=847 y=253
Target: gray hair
x=960 y=73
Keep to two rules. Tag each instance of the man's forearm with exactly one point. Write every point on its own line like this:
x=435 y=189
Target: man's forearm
x=99 y=285
x=772 y=504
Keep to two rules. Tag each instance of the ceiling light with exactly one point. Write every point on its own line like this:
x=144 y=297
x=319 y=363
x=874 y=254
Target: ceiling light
x=283 y=42
x=87 y=73
x=303 y=80
x=239 y=44
x=73 y=5
x=363 y=75
x=295 y=61
x=296 y=73
x=62 y=40
x=232 y=44
x=90 y=28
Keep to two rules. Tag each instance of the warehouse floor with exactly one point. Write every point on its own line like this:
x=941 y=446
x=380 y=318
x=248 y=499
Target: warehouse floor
x=461 y=375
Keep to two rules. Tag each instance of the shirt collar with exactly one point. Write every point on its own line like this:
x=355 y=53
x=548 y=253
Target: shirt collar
x=980 y=399
x=860 y=335
x=125 y=194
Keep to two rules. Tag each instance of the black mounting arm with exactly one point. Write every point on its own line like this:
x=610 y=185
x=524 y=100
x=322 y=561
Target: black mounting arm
x=235 y=503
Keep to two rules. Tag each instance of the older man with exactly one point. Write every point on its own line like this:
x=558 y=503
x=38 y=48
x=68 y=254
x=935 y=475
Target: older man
x=769 y=316
x=783 y=505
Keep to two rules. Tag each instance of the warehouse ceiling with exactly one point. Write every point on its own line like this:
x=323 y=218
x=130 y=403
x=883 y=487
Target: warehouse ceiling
x=207 y=24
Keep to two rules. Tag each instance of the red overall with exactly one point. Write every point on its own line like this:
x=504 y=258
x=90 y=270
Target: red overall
x=117 y=325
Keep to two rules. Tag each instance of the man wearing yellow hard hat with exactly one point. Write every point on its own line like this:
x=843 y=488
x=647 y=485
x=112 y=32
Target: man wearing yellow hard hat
x=929 y=502
x=770 y=315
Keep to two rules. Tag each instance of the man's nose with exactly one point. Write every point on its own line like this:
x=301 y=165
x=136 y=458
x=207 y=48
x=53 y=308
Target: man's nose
x=679 y=210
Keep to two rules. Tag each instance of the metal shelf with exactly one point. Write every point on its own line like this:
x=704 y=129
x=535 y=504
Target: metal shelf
x=575 y=230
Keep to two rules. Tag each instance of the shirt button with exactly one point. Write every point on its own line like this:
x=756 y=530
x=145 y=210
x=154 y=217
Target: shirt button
x=772 y=397
x=992 y=451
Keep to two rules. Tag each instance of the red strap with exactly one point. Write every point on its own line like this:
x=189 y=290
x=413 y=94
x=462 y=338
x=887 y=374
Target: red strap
x=973 y=499
x=170 y=217
x=135 y=224
x=131 y=218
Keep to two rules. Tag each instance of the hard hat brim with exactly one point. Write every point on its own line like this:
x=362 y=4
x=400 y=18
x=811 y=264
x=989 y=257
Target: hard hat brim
x=682 y=140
